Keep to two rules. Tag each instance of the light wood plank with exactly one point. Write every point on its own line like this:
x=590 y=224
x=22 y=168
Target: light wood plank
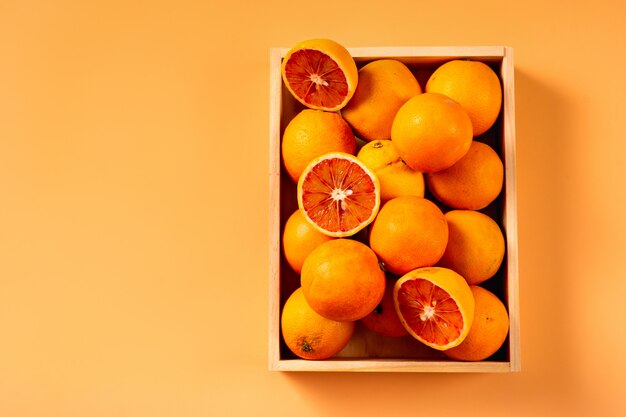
x=274 y=208
x=421 y=52
x=510 y=207
x=390 y=365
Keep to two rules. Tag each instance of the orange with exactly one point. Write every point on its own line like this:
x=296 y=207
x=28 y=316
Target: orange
x=473 y=182
x=395 y=177
x=320 y=73
x=475 y=86
x=384 y=319
x=379 y=154
x=299 y=239
x=475 y=245
x=488 y=331
x=342 y=281
x=435 y=305
x=309 y=335
x=384 y=86
x=431 y=132
x=338 y=194
x=312 y=133
x=408 y=233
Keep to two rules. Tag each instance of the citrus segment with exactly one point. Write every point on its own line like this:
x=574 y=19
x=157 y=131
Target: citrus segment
x=338 y=194
x=320 y=73
x=435 y=305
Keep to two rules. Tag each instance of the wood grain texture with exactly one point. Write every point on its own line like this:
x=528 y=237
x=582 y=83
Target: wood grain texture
x=390 y=365
x=510 y=206
x=274 y=209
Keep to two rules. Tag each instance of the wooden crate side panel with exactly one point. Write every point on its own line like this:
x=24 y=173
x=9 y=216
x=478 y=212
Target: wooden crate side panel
x=510 y=208
x=390 y=365
x=428 y=55
x=274 y=208
x=422 y=53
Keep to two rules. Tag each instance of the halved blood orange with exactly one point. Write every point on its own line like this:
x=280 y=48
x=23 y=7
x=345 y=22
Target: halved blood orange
x=435 y=306
x=338 y=194
x=320 y=73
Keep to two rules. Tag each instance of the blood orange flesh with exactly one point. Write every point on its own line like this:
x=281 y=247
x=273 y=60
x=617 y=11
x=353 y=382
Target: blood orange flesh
x=430 y=312
x=320 y=73
x=338 y=194
x=435 y=305
x=316 y=78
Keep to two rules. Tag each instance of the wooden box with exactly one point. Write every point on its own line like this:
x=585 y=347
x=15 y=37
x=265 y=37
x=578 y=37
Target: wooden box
x=367 y=351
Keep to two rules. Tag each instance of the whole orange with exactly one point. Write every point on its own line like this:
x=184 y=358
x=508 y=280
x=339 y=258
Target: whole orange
x=309 y=335
x=384 y=319
x=384 y=86
x=431 y=132
x=475 y=245
x=342 y=281
x=408 y=233
x=395 y=177
x=473 y=182
x=312 y=133
x=488 y=331
x=299 y=239
x=472 y=84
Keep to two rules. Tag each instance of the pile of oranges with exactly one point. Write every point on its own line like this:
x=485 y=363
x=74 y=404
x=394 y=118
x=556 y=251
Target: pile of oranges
x=392 y=178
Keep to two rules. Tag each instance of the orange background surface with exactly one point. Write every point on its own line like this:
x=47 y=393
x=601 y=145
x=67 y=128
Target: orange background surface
x=134 y=207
